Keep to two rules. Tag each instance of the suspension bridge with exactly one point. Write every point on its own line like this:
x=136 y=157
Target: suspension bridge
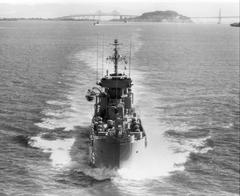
x=219 y=18
x=99 y=15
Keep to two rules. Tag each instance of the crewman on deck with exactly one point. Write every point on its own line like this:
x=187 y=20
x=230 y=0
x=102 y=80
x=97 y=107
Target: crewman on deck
x=119 y=131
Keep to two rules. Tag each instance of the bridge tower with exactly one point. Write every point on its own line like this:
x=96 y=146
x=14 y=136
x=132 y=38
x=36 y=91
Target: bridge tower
x=220 y=16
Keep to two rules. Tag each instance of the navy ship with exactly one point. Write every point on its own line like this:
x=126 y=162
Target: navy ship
x=116 y=135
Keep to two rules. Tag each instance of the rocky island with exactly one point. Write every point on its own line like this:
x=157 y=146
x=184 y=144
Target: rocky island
x=161 y=16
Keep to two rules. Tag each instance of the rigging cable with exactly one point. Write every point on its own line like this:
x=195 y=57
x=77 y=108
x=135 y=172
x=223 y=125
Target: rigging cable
x=97 y=60
x=102 y=54
x=130 y=58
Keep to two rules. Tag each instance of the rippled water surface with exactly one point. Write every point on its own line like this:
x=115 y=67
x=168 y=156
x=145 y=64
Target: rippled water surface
x=186 y=84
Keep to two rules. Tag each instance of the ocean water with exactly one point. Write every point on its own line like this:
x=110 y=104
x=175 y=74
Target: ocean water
x=186 y=85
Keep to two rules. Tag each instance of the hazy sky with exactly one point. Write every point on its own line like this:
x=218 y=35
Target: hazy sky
x=55 y=8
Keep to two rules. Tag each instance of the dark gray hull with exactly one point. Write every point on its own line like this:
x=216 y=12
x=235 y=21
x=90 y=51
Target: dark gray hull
x=112 y=152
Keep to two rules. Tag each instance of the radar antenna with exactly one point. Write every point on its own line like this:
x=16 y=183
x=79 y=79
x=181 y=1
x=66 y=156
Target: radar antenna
x=116 y=58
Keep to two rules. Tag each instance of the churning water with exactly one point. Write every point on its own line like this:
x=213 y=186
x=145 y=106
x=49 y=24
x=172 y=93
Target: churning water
x=186 y=90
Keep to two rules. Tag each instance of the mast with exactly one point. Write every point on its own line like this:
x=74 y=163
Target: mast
x=115 y=56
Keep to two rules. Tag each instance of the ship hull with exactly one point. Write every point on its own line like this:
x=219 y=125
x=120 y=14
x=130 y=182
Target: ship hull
x=114 y=152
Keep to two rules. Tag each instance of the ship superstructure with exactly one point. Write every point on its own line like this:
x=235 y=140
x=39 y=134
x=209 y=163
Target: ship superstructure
x=117 y=134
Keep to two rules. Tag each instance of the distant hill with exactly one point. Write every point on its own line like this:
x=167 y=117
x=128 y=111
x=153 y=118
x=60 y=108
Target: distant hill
x=161 y=16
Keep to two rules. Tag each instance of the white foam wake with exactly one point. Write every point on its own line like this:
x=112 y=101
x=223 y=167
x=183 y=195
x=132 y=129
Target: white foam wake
x=59 y=149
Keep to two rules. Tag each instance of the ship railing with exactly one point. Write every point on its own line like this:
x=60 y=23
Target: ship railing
x=128 y=136
x=124 y=76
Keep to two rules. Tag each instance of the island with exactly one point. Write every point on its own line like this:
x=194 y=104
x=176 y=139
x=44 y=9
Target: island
x=161 y=16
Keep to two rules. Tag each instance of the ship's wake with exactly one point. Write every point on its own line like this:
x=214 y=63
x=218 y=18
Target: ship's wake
x=163 y=156
x=68 y=152
x=169 y=143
